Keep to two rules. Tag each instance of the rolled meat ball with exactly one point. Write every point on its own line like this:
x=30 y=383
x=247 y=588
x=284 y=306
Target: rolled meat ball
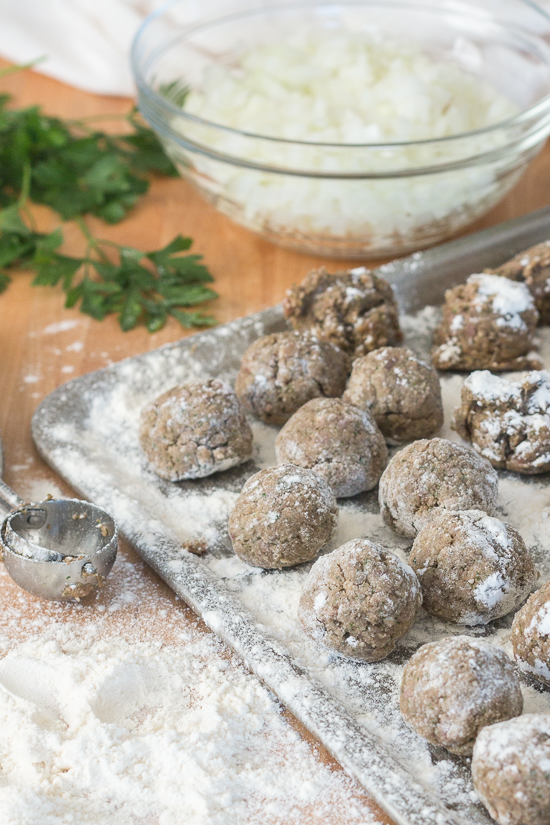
x=508 y=422
x=511 y=770
x=488 y=323
x=429 y=476
x=532 y=268
x=400 y=390
x=282 y=371
x=195 y=430
x=283 y=516
x=472 y=568
x=354 y=309
x=359 y=600
x=453 y=688
x=531 y=635
x=339 y=442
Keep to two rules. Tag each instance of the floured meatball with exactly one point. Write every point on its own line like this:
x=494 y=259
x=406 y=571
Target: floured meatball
x=195 y=430
x=283 y=516
x=340 y=442
x=511 y=770
x=532 y=267
x=508 y=422
x=359 y=600
x=488 y=323
x=354 y=309
x=400 y=390
x=282 y=371
x=453 y=688
x=472 y=568
x=429 y=476
x=531 y=635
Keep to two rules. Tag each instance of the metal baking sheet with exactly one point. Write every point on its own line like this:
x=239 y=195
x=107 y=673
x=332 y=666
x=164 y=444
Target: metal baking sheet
x=87 y=431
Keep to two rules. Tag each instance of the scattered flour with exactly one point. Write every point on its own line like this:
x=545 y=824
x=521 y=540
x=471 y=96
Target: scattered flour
x=61 y=326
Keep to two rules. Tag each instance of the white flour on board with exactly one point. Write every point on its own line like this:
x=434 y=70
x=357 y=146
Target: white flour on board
x=368 y=691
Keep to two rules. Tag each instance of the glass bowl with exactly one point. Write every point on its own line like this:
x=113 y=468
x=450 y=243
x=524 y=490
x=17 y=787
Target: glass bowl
x=349 y=200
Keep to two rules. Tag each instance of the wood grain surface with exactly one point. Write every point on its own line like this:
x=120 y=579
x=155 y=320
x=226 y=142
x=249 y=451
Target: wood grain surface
x=37 y=354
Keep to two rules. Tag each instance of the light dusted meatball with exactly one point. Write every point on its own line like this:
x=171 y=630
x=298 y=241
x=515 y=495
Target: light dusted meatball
x=511 y=770
x=283 y=516
x=430 y=476
x=531 y=635
x=453 y=688
x=195 y=430
x=472 y=568
x=532 y=267
x=339 y=442
x=508 y=422
x=488 y=323
x=359 y=600
x=282 y=371
x=354 y=309
x=400 y=390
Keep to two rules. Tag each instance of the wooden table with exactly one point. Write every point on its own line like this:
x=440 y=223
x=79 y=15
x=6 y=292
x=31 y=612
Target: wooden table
x=40 y=352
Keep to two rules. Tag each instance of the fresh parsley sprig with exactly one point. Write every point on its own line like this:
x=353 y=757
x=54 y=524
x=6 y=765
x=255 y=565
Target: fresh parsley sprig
x=76 y=170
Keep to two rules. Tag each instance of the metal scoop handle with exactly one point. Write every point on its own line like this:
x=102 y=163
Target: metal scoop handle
x=8 y=500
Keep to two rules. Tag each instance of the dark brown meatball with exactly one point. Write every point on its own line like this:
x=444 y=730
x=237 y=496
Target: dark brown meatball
x=488 y=323
x=532 y=267
x=354 y=309
x=283 y=516
x=508 y=422
x=531 y=635
x=195 y=430
x=453 y=688
x=472 y=568
x=339 y=442
x=429 y=476
x=400 y=390
x=359 y=600
x=282 y=371
x=511 y=770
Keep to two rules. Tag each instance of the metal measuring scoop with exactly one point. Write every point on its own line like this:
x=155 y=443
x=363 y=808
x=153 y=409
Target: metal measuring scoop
x=58 y=548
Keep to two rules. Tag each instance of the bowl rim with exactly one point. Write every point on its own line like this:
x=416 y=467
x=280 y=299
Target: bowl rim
x=532 y=112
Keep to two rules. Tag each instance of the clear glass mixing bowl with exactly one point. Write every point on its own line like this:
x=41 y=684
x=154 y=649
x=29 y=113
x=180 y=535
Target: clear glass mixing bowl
x=349 y=200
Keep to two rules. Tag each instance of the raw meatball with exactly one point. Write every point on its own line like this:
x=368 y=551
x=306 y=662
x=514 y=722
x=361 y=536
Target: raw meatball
x=508 y=422
x=488 y=323
x=339 y=442
x=195 y=430
x=359 y=600
x=400 y=390
x=283 y=516
x=430 y=476
x=282 y=371
x=453 y=688
x=531 y=635
x=511 y=770
x=472 y=568
x=354 y=309
x=532 y=267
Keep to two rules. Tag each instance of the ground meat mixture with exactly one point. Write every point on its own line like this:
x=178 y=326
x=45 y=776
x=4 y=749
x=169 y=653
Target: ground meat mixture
x=531 y=635
x=354 y=309
x=508 y=422
x=453 y=688
x=532 y=267
x=472 y=568
x=359 y=600
x=511 y=770
x=488 y=323
x=283 y=516
x=340 y=442
x=195 y=430
x=400 y=390
x=429 y=476
x=282 y=371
